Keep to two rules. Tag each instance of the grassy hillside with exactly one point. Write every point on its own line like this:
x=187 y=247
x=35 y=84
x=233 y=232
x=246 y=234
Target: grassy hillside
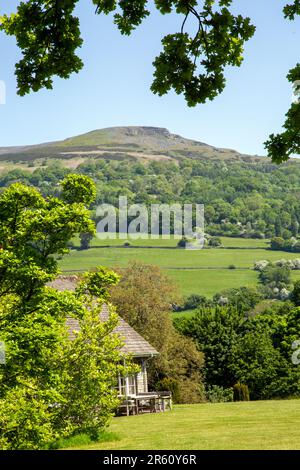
x=240 y=425
x=121 y=142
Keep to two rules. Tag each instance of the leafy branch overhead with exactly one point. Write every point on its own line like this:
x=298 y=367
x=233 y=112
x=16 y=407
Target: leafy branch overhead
x=192 y=62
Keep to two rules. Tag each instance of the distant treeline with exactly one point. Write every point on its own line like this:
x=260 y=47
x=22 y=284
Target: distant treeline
x=242 y=199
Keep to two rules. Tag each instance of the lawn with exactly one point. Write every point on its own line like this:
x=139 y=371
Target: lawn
x=242 y=425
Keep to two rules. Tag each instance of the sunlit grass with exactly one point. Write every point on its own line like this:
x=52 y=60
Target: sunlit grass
x=241 y=425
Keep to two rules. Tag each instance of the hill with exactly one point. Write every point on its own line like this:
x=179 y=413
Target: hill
x=120 y=143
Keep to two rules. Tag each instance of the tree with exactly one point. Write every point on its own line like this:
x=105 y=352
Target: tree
x=143 y=298
x=257 y=363
x=252 y=351
x=85 y=240
x=191 y=63
x=295 y=295
x=243 y=299
x=216 y=332
x=194 y=301
x=43 y=377
x=275 y=276
x=277 y=243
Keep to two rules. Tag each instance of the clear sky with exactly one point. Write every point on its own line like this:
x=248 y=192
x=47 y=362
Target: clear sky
x=113 y=88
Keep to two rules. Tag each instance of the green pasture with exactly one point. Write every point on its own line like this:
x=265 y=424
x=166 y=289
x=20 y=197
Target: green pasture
x=194 y=271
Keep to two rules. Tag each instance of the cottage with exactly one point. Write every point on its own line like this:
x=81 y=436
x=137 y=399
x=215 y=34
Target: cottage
x=132 y=390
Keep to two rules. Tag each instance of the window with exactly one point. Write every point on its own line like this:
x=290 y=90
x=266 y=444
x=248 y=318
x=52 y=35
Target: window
x=131 y=385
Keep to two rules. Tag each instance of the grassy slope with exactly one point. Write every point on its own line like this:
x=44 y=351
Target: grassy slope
x=211 y=426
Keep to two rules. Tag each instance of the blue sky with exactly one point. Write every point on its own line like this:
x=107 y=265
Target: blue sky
x=113 y=88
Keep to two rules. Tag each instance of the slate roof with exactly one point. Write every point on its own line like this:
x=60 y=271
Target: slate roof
x=134 y=343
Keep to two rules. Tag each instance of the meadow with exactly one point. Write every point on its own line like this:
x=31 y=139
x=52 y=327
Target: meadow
x=205 y=272
x=209 y=426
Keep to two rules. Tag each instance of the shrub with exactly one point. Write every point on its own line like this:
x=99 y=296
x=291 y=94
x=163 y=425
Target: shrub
x=217 y=394
x=215 y=241
x=194 y=300
x=182 y=243
x=277 y=243
x=169 y=384
x=240 y=392
x=232 y=266
x=260 y=265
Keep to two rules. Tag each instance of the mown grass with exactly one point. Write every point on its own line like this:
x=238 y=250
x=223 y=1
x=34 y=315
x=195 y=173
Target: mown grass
x=261 y=425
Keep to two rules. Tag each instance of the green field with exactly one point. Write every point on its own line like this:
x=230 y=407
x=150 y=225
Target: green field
x=172 y=242
x=245 y=242
x=209 y=281
x=195 y=271
x=258 y=425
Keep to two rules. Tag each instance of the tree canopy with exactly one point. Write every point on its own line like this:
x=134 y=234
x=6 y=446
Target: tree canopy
x=52 y=386
x=191 y=63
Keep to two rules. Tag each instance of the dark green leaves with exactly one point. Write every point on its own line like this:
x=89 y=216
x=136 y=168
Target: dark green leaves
x=194 y=65
x=291 y=10
x=48 y=35
x=281 y=146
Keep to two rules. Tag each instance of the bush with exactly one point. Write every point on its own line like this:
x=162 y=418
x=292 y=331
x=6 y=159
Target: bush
x=217 y=394
x=277 y=243
x=194 y=301
x=215 y=241
x=232 y=266
x=169 y=384
x=241 y=392
x=182 y=243
x=25 y=419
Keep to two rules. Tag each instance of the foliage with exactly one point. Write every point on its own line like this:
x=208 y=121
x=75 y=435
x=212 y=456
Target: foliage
x=49 y=43
x=25 y=419
x=255 y=351
x=275 y=276
x=215 y=241
x=78 y=188
x=240 y=392
x=182 y=242
x=291 y=245
x=194 y=301
x=91 y=364
x=217 y=394
x=169 y=384
x=143 y=298
x=51 y=386
x=85 y=240
x=247 y=203
x=243 y=298
x=295 y=295
x=216 y=331
x=191 y=63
